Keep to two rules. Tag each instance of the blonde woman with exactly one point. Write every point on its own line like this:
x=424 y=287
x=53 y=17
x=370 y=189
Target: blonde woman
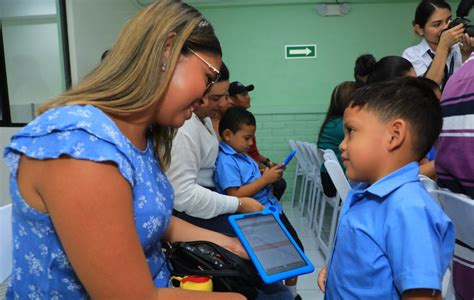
x=91 y=203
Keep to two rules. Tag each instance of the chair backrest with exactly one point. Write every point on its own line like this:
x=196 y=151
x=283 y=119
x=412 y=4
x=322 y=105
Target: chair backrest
x=460 y=208
x=302 y=155
x=6 y=247
x=431 y=186
x=336 y=173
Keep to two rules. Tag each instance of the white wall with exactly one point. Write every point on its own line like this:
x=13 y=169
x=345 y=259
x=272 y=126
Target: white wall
x=5 y=135
x=15 y=8
x=93 y=26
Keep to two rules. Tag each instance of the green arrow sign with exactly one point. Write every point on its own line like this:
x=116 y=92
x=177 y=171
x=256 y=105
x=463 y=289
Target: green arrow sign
x=300 y=51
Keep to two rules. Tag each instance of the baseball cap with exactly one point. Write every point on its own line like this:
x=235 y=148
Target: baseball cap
x=237 y=87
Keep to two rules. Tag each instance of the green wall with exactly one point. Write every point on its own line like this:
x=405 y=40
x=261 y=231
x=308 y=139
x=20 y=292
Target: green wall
x=254 y=36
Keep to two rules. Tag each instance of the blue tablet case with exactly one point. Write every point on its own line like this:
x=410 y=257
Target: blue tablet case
x=289 y=157
x=270 y=247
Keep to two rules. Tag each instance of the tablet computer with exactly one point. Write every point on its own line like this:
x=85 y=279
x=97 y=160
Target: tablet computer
x=270 y=247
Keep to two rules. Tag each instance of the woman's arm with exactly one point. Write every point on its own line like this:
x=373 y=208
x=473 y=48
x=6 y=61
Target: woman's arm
x=90 y=205
x=448 y=38
x=179 y=230
x=190 y=197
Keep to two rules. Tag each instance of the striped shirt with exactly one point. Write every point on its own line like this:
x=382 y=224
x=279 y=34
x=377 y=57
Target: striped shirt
x=455 y=150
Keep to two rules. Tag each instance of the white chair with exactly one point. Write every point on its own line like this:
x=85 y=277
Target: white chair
x=431 y=186
x=6 y=247
x=342 y=185
x=460 y=209
x=299 y=171
x=307 y=171
x=316 y=188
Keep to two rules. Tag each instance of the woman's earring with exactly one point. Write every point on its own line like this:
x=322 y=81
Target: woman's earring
x=163 y=67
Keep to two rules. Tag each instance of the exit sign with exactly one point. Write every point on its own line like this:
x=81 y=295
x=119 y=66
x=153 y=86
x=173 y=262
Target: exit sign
x=300 y=51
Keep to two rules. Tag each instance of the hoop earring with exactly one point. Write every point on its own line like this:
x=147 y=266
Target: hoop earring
x=163 y=67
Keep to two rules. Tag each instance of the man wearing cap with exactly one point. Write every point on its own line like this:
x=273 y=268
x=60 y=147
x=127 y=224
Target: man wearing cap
x=239 y=93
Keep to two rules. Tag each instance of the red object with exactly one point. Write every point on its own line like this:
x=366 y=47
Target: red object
x=253 y=151
x=195 y=278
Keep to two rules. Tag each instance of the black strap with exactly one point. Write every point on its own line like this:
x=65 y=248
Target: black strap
x=447 y=71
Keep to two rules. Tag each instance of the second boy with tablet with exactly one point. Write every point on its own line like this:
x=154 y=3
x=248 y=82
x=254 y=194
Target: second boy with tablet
x=237 y=174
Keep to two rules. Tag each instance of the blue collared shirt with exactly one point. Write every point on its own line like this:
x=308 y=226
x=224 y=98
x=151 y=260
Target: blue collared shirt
x=235 y=169
x=392 y=237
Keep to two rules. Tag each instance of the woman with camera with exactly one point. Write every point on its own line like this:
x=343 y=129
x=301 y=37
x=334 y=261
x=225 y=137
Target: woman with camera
x=444 y=47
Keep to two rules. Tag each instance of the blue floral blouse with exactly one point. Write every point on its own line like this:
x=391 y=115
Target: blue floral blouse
x=41 y=269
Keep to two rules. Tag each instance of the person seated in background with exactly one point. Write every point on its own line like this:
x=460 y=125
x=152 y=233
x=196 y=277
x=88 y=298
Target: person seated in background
x=193 y=158
x=237 y=174
x=390 y=67
x=363 y=66
x=393 y=241
x=225 y=102
x=239 y=94
x=455 y=157
x=331 y=133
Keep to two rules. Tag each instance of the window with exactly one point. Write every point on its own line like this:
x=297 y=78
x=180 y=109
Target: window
x=32 y=57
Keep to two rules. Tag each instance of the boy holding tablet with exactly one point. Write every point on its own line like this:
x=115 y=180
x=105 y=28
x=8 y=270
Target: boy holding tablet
x=393 y=241
x=237 y=174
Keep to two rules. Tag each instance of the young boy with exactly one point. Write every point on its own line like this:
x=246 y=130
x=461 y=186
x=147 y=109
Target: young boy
x=393 y=240
x=237 y=174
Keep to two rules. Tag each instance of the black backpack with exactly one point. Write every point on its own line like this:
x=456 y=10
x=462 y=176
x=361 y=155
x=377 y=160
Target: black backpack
x=229 y=272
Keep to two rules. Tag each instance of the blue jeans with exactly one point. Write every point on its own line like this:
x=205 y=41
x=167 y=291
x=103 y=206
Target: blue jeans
x=275 y=291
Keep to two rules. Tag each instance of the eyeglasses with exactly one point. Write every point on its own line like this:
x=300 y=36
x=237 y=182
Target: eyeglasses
x=214 y=69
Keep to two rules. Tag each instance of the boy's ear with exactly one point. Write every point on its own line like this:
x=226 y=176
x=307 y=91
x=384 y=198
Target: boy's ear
x=168 y=45
x=397 y=134
x=227 y=134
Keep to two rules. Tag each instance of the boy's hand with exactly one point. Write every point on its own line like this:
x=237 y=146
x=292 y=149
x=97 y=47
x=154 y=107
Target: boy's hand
x=249 y=205
x=322 y=278
x=270 y=175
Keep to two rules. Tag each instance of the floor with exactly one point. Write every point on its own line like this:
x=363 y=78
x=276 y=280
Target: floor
x=307 y=285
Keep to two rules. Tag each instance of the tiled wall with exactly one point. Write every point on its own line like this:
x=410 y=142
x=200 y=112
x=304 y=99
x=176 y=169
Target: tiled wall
x=274 y=131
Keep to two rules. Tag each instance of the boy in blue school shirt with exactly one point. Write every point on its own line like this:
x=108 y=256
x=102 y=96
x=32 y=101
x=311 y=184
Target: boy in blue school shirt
x=237 y=174
x=393 y=241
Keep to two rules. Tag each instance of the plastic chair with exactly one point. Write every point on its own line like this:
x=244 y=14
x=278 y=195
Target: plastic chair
x=6 y=247
x=460 y=209
x=342 y=185
x=316 y=188
x=431 y=186
x=307 y=170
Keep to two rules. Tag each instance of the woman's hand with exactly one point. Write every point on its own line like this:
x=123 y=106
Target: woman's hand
x=450 y=37
x=233 y=245
x=248 y=205
x=322 y=278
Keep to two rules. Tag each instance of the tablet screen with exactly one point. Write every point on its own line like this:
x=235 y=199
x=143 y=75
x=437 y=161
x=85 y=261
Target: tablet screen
x=275 y=252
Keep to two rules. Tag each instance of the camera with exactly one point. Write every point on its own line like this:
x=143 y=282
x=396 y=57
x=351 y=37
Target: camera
x=461 y=12
x=469 y=29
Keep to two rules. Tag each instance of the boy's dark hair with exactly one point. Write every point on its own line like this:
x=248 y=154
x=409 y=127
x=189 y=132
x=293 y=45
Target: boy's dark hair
x=223 y=73
x=234 y=118
x=408 y=98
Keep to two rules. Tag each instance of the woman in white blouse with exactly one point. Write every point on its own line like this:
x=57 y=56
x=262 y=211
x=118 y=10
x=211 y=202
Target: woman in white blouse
x=193 y=157
x=442 y=50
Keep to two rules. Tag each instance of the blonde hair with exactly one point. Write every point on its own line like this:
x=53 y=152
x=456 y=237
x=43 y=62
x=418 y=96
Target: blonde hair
x=130 y=79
